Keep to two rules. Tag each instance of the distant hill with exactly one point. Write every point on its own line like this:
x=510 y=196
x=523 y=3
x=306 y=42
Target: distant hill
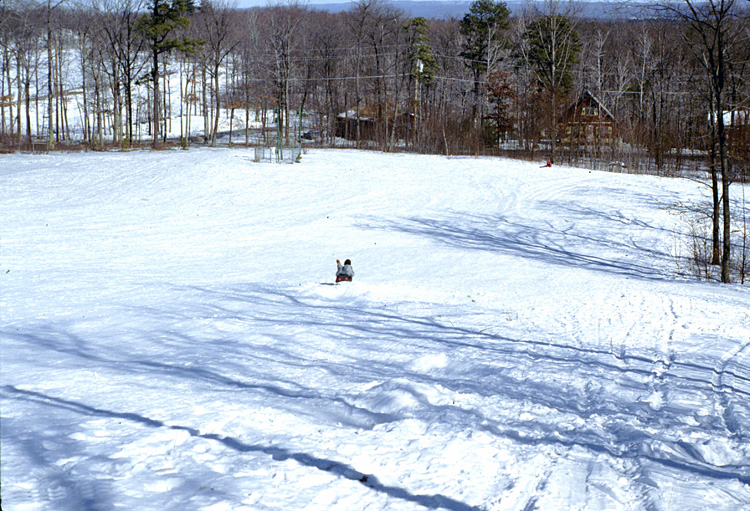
x=456 y=9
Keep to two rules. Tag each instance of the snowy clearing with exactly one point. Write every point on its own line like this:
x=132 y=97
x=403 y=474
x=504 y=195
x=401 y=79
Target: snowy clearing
x=515 y=338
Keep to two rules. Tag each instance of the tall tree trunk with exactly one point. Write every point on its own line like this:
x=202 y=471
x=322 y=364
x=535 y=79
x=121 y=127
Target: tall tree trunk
x=725 y=174
x=6 y=67
x=204 y=95
x=166 y=94
x=85 y=116
x=64 y=127
x=715 y=201
x=98 y=106
x=217 y=113
x=27 y=93
x=18 y=101
x=50 y=111
x=116 y=100
x=725 y=181
x=155 y=85
x=37 y=88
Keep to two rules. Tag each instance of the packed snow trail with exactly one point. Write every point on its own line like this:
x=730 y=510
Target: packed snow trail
x=515 y=338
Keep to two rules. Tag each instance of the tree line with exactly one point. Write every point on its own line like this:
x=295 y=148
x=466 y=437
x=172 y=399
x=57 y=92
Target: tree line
x=456 y=85
x=675 y=81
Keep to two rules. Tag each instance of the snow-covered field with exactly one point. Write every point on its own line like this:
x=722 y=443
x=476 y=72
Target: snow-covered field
x=515 y=338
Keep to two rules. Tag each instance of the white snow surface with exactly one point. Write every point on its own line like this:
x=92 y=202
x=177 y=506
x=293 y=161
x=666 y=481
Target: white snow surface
x=515 y=338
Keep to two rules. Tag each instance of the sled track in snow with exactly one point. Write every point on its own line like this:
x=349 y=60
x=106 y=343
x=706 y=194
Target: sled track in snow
x=732 y=381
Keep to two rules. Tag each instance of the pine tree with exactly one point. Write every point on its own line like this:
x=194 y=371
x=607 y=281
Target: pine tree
x=422 y=64
x=481 y=27
x=420 y=57
x=552 y=46
x=158 y=27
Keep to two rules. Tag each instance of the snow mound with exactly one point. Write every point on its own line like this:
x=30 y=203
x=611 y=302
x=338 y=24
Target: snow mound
x=402 y=398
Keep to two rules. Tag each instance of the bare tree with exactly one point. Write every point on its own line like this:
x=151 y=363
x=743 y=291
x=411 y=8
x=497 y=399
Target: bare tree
x=285 y=38
x=50 y=66
x=381 y=36
x=7 y=20
x=215 y=26
x=119 y=25
x=552 y=48
x=328 y=46
x=359 y=18
x=713 y=28
x=23 y=40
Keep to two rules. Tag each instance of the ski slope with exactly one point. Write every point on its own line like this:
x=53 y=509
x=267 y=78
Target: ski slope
x=515 y=338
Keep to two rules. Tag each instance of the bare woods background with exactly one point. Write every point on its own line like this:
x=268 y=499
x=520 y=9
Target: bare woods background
x=636 y=92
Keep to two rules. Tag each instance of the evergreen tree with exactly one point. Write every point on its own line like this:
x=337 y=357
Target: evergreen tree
x=158 y=27
x=422 y=66
x=551 y=46
x=420 y=57
x=481 y=27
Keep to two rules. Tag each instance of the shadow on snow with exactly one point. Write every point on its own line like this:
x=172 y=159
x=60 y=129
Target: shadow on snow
x=541 y=242
x=275 y=452
x=275 y=325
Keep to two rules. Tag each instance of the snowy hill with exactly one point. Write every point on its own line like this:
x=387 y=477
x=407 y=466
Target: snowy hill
x=515 y=338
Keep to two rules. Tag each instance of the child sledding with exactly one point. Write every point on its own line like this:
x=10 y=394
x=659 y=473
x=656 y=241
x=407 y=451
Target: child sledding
x=344 y=273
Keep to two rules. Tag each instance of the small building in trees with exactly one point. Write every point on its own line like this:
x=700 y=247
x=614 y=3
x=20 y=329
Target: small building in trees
x=587 y=122
x=373 y=123
x=346 y=125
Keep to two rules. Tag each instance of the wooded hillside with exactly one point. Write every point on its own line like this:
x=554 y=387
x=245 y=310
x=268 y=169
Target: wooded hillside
x=371 y=77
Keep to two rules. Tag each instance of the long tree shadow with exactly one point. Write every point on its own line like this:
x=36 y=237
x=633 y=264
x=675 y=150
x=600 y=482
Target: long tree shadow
x=275 y=452
x=539 y=242
x=266 y=308
x=393 y=328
